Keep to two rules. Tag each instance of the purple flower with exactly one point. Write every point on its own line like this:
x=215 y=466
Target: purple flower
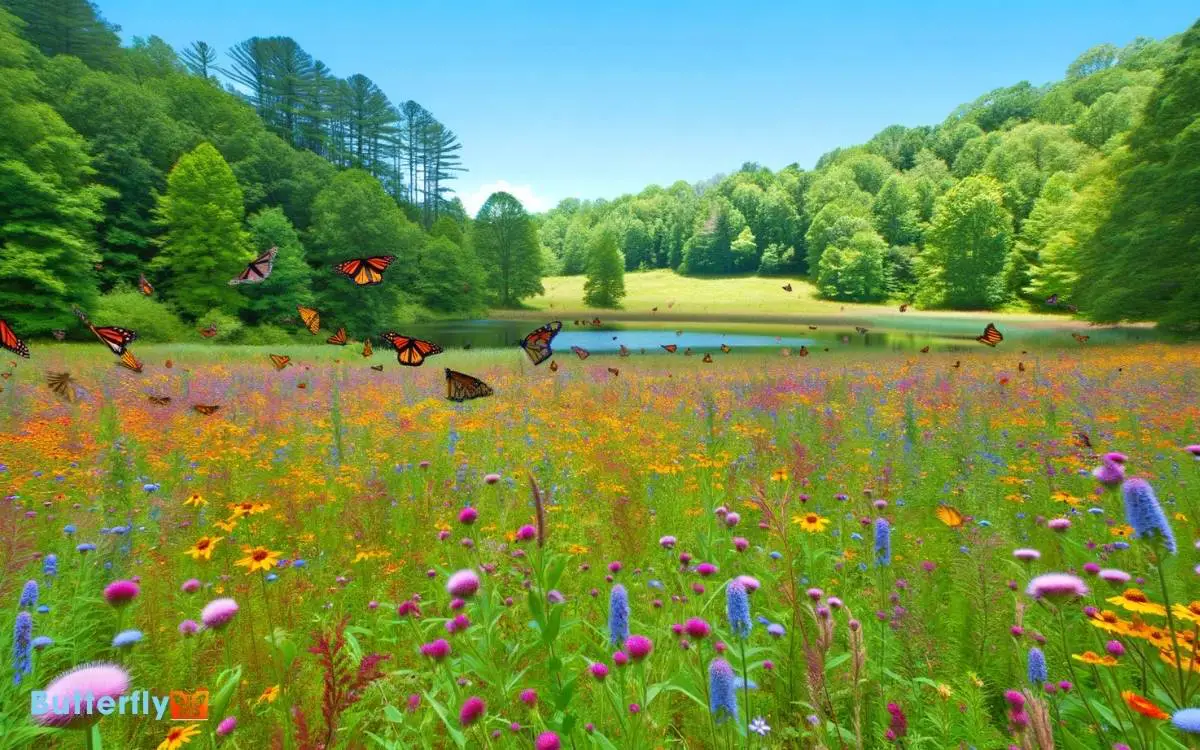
x=1109 y=473
x=1056 y=586
x=598 y=670
x=472 y=709
x=436 y=650
x=638 y=646
x=1025 y=554
x=226 y=727
x=467 y=516
x=120 y=593
x=217 y=613
x=464 y=584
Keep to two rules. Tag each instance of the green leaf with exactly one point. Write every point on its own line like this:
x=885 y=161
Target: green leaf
x=563 y=699
x=227 y=683
x=555 y=570
x=459 y=738
x=393 y=714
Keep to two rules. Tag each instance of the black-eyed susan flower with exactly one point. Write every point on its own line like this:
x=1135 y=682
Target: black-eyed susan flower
x=195 y=500
x=269 y=695
x=810 y=522
x=258 y=558
x=1133 y=600
x=1091 y=657
x=178 y=737
x=203 y=548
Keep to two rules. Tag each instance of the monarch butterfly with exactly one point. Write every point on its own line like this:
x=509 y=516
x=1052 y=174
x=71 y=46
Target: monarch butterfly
x=59 y=334
x=130 y=362
x=581 y=352
x=1080 y=337
x=537 y=344
x=9 y=340
x=365 y=271
x=957 y=364
x=803 y=351
x=596 y=322
x=726 y=348
x=168 y=364
x=925 y=350
x=687 y=352
x=463 y=387
x=409 y=351
x=1052 y=299
x=280 y=361
x=158 y=400
x=624 y=352
x=209 y=332
x=672 y=348
x=614 y=371
x=707 y=358
x=990 y=336
x=144 y=286
x=116 y=339
x=367 y=350
x=904 y=307
x=1082 y=440
x=1021 y=366
x=337 y=339
x=861 y=330
x=258 y=269
x=62 y=384
x=787 y=287
x=812 y=328
x=206 y=409
x=311 y=319
x=950 y=516
x=553 y=367
x=301 y=386
x=654 y=309
x=377 y=368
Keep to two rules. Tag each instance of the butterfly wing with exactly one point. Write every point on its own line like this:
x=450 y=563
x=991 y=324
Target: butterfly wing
x=280 y=361
x=726 y=348
x=411 y=352
x=9 y=340
x=130 y=362
x=258 y=269
x=463 y=387
x=1052 y=299
x=115 y=338
x=367 y=350
x=672 y=348
x=803 y=351
x=311 y=319
x=553 y=367
x=581 y=352
x=614 y=371
x=206 y=409
x=365 y=271
x=62 y=384
x=159 y=400
x=337 y=339
x=990 y=336
x=144 y=286
x=537 y=343
x=950 y=516
x=707 y=358
x=377 y=368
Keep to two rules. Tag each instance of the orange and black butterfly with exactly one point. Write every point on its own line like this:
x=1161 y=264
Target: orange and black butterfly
x=280 y=361
x=9 y=340
x=861 y=330
x=1021 y=366
x=1080 y=337
x=581 y=352
x=116 y=339
x=624 y=351
x=950 y=516
x=365 y=271
x=302 y=385
x=1082 y=440
x=957 y=364
x=614 y=371
x=787 y=287
x=537 y=343
x=59 y=334
x=130 y=362
x=803 y=351
x=707 y=358
x=258 y=270
x=311 y=319
x=367 y=350
x=990 y=336
x=338 y=339
x=144 y=286
x=409 y=351
x=726 y=348
x=463 y=387
x=596 y=322
x=904 y=307
x=159 y=400
x=168 y=364
x=206 y=409
x=925 y=350
x=62 y=384
x=812 y=328
x=553 y=366
x=672 y=348
x=377 y=368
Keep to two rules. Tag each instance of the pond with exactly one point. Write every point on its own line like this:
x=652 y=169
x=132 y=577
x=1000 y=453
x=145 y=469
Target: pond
x=942 y=333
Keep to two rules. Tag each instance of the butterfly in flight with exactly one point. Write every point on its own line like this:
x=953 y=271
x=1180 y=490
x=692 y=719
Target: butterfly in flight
x=672 y=348
x=158 y=400
x=957 y=364
x=463 y=387
x=1021 y=366
x=707 y=358
x=537 y=343
x=614 y=371
x=259 y=269
x=803 y=350
x=130 y=362
x=624 y=351
x=367 y=350
x=553 y=367
x=925 y=350
x=377 y=368
x=812 y=328
x=990 y=336
x=62 y=384
x=904 y=307
x=1083 y=441
x=339 y=338
x=950 y=516
x=209 y=332
x=280 y=361
x=206 y=409
x=654 y=309
x=726 y=348
x=59 y=334
x=581 y=352
x=596 y=322
x=787 y=287
x=1052 y=299
x=411 y=352
x=168 y=364
x=365 y=271
x=144 y=286
x=1080 y=337
x=301 y=385
x=116 y=339
x=9 y=340
x=311 y=319
x=861 y=330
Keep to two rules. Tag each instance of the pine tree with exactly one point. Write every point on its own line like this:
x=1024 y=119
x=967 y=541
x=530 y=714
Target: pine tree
x=200 y=59
x=203 y=245
x=69 y=27
x=605 y=284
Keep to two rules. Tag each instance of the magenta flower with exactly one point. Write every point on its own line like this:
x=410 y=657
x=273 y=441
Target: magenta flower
x=528 y=696
x=1116 y=457
x=667 y=542
x=1194 y=450
x=491 y=478
x=1058 y=524
x=467 y=516
x=458 y=624
x=436 y=650
x=218 y=613
x=547 y=741
x=1109 y=473
x=598 y=670
x=697 y=629
x=621 y=658
x=750 y=583
x=472 y=709
x=226 y=727
x=706 y=569
x=463 y=584
x=190 y=586
x=1056 y=586
x=526 y=533
x=120 y=593
x=1114 y=576
x=99 y=679
x=408 y=607
x=188 y=627
x=638 y=646
x=732 y=519
x=740 y=543
x=1025 y=554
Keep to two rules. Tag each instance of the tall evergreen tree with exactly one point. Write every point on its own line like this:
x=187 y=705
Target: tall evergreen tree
x=505 y=239
x=200 y=59
x=605 y=284
x=69 y=27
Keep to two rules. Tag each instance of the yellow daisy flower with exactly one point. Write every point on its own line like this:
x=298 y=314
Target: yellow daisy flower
x=1091 y=657
x=203 y=547
x=811 y=522
x=1190 y=612
x=269 y=695
x=178 y=737
x=779 y=475
x=1122 y=530
x=258 y=558
x=1134 y=600
x=195 y=500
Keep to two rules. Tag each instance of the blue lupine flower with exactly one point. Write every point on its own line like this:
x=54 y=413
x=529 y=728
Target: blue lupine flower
x=41 y=642
x=126 y=638
x=1036 y=666
x=722 y=691
x=883 y=542
x=1120 y=545
x=151 y=487
x=1145 y=515
x=618 y=615
x=50 y=566
x=1187 y=720
x=69 y=529
x=298 y=563
x=655 y=584
x=737 y=609
x=22 y=630
x=86 y=547
x=29 y=595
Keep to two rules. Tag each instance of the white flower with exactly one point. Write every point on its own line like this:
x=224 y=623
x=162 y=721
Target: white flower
x=759 y=726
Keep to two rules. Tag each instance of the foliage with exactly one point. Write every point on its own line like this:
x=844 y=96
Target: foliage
x=153 y=320
x=605 y=285
x=852 y=268
x=449 y=278
x=290 y=283
x=967 y=247
x=505 y=239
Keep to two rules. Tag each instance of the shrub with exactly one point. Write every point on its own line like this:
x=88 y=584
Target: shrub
x=153 y=321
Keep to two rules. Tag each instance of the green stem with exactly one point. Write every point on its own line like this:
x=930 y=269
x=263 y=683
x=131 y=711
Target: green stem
x=745 y=687
x=1179 y=665
x=93 y=738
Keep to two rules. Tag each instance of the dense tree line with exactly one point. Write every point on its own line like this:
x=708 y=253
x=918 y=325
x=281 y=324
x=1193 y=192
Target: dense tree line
x=121 y=161
x=1084 y=188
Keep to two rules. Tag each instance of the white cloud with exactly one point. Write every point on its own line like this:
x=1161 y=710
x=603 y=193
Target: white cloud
x=474 y=199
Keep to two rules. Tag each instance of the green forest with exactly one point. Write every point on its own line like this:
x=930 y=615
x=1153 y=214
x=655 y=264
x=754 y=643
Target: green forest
x=184 y=165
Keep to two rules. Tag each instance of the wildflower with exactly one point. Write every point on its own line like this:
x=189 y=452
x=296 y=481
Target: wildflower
x=638 y=647
x=126 y=638
x=467 y=516
x=706 y=569
x=1194 y=450
x=1091 y=657
x=464 y=584
x=526 y=533
x=1055 y=586
x=195 y=500
x=1145 y=515
x=813 y=523
x=258 y=558
x=722 y=691
x=218 y=613
x=189 y=627
x=554 y=596
x=749 y=582
x=178 y=737
x=50 y=565
x=1058 y=524
x=1027 y=555
x=1143 y=705
x=758 y=725
x=1133 y=600
x=85 y=548
x=29 y=595
x=667 y=542
x=491 y=478
x=737 y=608
x=618 y=615
x=436 y=650
x=268 y=695
x=22 y=631
x=598 y=670
x=697 y=629
x=472 y=709
x=190 y=586
x=1115 y=648
x=1109 y=473
x=120 y=593
x=547 y=741
x=1114 y=576
x=98 y=679
x=226 y=727
x=203 y=547
x=898 y=724
x=621 y=659
x=41 y=642
x=1187 y=720
x=1036 y=666
x=883 y=542
x=408 y=607
x=775 y=630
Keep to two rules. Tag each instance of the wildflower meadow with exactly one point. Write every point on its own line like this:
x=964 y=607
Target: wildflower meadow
x=975 y=549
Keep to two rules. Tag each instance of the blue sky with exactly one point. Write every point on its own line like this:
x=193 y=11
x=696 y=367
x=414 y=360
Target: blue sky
x=593 y=100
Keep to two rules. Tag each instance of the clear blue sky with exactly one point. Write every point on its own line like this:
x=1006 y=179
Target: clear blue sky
x=602 y=98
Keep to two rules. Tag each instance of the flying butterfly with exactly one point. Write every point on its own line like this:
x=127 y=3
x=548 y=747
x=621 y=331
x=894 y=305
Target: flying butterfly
x=1021 y=366
x=624 y=351
x=1081 y=338
x=144 y=286
x=707 y=358
x=339 y=338
x=553 y=367
x=377 y=368
x=168 y=364
x=672 y=348
x=904 y=307
x=1052 y=299
x=596 y=322
x=209 y=332
x=463 y=387
x=990 y=336
x=950 y=516
x=59 y=334
x=311 y=319
x=726 y=348
x=537 y=343
x=302 y=385
x=367 y=350
x=365 y=271
x=116 y=339
x=861 y=330
x=581 y=352
x=280 y=361
x=62 y=384
x=9 y=340
x=130 y=362
x=258 y=269
x=1082 y=440
x=803 y=351
x=614 y=371
x=206 y=409
x=159 y=400
x=411 y=352
x=654 y=309
x=787 y=287
x=957 y=364
x=925 y=350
